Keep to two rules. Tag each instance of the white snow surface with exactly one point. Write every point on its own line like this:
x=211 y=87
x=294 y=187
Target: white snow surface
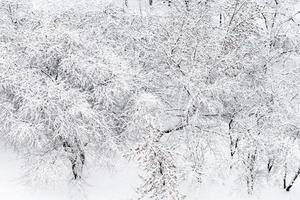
x=101 y=184
x=115 y=184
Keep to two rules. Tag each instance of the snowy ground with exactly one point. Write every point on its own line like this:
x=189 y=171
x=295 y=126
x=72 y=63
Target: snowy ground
x=104 y=184
x=117 y=184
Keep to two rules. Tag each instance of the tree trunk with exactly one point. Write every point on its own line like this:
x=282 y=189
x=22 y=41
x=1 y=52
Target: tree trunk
x=77 y=158
x=270 y=165
x=288 y=187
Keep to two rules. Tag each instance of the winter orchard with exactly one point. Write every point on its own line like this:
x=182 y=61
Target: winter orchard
x=191 y=90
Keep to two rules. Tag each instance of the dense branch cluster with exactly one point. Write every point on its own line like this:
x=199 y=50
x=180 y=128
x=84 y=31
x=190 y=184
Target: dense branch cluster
x=201 y=89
